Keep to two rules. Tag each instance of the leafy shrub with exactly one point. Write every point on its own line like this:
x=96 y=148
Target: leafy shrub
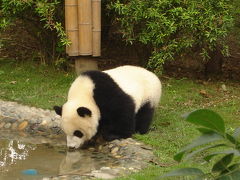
x=213 y=136
x=42 y=20
x=236 y=12
x=174 y=27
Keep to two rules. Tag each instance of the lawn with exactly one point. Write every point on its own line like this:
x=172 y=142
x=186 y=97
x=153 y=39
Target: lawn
x=44 y=86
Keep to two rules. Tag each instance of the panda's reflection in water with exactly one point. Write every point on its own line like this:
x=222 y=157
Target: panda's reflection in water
x=81 y=162
x=48 y=160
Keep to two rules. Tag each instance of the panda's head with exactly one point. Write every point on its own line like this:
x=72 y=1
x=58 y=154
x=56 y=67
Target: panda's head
x=77 y=123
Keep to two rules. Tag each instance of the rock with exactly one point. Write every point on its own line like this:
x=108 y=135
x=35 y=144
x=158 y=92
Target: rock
x=46 y=178
x=110 y=145
x=38 y=120
x=2 y=124
x=224 y=88
x=9 y=120
x=91 y=149
x=114 y=150
x=105 y=168
x=14 y=126
x=100 y=148
x=22 y=125
x=116 y=141
x=44 y=123
x=41 y=128
x=101 y=175
x=7 y=125
x=123 y=144
x=21 y=133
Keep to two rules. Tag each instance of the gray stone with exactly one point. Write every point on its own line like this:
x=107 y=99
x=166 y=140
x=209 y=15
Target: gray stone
x=9 y=120
x=102 y=175
x=114 y=150
x=7 y=125
x=37 y=120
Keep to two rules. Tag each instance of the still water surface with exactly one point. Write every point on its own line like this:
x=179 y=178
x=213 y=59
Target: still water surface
x=17 y=156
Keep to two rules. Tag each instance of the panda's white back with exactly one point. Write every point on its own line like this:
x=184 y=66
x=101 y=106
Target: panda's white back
x=142 y=85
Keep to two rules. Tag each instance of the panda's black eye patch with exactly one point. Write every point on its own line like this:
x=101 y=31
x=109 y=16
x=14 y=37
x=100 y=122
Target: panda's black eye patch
x=78 y=133
x=83 y=111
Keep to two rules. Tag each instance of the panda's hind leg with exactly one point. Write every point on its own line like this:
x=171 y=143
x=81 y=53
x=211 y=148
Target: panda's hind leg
x=144 y=118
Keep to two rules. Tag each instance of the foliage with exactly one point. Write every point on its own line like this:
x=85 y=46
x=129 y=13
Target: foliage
x=174 y=27
x=42 y=19
x=213 y=136
x=236 y=12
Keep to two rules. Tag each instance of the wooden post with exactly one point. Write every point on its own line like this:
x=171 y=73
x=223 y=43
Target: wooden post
x=71 y=24
x=96 y=20
x=84 y=63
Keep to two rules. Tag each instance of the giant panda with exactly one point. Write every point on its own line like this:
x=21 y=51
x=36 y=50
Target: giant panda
x=115 y=103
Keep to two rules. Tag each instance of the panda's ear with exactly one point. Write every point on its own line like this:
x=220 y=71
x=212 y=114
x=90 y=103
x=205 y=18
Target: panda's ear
x=58 y=110
x=83 y=111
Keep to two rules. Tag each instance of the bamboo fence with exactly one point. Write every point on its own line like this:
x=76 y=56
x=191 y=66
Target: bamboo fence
x=83 y=27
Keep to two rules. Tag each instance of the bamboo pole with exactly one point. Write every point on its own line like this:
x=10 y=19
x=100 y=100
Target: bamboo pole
x=96 y=21
x=71 y=24
x=85 y=27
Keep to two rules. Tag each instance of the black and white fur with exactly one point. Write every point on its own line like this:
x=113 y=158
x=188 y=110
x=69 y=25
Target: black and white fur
x=115 y=103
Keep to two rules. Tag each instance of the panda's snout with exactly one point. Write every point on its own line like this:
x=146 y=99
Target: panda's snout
x=72 y=147
x=74 y=142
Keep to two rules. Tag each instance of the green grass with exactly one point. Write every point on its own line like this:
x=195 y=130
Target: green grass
x=31 y=84
x=44 y=87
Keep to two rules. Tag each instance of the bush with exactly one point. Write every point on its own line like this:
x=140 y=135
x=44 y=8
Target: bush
x=213 y=136
x=174 y=27
x=42 y=20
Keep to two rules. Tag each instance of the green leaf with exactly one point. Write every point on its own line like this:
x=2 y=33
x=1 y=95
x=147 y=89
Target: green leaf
x=231 y=176
x=205 y=130
x=178 y=157
x=203 y=139
x=184 y=172
x=210 y=156
x=207 y=118
x=231 y=139
x=233 y=167
x=236 y=133
x=222 y=164
x=190 y=155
